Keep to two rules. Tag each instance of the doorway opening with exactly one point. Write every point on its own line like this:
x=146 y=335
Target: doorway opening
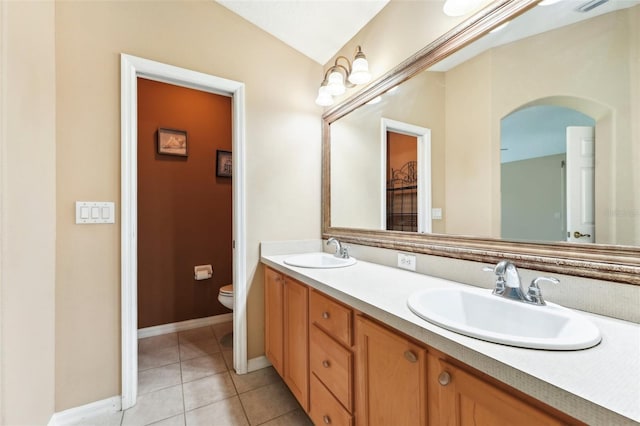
x=542 y=184
x=406 y=191
x=131 y=69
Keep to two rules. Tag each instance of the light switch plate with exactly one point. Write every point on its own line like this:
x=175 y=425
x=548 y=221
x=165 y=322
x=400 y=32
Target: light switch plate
x=436 y=213
x=92 y=212
x=407 y=261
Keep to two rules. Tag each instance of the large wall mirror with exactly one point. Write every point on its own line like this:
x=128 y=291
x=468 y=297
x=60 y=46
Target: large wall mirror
x=527 y=146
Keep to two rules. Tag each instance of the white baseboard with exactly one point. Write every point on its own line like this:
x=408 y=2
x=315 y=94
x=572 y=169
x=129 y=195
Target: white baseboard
x=157 y=330
x=97 y=408
x=257 y=363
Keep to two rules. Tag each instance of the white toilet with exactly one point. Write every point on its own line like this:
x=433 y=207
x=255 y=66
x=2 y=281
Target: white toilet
x=226 y=296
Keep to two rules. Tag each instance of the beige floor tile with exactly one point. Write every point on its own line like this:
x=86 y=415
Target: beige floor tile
x=110 y=419
x=158 y=358
x=155 y=406
x=157 y=342
x=196 y=334
x=203 y=366
x=154 y=379
x=208 y=390
x=294 y=418
x=255 y=379
x=171 y=421
x=268 y=402
x=228 y=359
x=227 y=412
x=224 y=334
x=198 y=348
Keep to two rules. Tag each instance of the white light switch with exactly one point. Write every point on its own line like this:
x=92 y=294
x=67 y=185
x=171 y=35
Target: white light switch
x=436 y=213
x=90 y=212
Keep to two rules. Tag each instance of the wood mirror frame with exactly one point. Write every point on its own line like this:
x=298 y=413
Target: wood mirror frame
x=599 y=261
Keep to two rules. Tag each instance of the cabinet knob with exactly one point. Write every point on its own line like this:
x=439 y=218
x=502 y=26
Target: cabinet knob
x=326 y=364
x=326 y=419
x=325 y=315
x=410 y=356
x=444 y=378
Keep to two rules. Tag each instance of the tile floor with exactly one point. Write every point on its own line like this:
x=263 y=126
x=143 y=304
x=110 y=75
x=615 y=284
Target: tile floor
x=187 y=378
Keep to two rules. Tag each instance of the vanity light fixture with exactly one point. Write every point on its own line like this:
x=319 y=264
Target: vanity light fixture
x=340 y=77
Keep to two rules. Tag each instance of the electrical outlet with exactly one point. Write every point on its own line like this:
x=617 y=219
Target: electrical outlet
x=407 y=261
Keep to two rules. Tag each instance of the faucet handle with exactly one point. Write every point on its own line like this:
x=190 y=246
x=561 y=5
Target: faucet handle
x=534 y=294
x=500 y=281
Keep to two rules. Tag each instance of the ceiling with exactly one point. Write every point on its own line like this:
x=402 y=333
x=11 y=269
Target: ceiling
x=316 y=28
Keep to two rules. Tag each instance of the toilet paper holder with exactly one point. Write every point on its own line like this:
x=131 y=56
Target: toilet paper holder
x=202 y=272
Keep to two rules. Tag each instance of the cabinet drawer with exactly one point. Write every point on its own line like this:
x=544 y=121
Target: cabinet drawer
x=331 y=316
x=325 y=409
x=332 y=364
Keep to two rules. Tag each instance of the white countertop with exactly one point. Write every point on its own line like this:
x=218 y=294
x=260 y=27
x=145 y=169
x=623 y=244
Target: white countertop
x=599 y=386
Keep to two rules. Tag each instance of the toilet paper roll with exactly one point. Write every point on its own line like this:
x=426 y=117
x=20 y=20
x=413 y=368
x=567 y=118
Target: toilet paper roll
x=202 y=275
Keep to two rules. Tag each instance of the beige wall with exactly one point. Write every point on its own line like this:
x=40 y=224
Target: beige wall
x=283 y=159
x=27 y=212
x=469 y=154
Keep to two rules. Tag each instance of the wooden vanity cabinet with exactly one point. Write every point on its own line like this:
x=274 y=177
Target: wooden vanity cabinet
x=274 y=319
x=459 y=397
x=287 y=332
x=330 y=361
x=390 y=377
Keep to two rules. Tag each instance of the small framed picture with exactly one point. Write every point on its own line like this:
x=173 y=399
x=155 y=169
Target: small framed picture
x=172 y=142
x=223 y=163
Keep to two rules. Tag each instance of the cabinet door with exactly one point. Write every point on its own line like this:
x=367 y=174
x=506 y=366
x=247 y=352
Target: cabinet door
x=460 y=398
x=274 y=319
x=296 y=340
x=391 y=377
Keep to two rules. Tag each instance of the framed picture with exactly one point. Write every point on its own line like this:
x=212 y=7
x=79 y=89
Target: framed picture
x=223 y=163
x=172 y=142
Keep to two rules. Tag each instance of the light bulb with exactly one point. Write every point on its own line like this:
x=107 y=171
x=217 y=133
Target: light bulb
x=335 y=86
x=360 y=71
x=324 y=98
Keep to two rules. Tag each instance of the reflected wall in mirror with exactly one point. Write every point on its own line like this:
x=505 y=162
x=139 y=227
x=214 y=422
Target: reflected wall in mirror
x=486 y=103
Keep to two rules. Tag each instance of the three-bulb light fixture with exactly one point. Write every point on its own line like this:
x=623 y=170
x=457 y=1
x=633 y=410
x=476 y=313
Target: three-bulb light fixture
x=340 y=77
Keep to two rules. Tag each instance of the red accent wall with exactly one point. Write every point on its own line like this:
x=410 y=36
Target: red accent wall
x=184 y=210
x=400 y=150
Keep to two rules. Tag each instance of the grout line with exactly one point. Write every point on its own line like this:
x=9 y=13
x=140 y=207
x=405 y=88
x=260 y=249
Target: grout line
x=184 y=406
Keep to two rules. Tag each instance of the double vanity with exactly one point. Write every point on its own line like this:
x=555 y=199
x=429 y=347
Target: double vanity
x=361 y=343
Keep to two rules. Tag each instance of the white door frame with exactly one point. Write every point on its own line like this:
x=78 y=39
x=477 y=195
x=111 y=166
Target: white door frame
x=423 y=135
x=132 y=67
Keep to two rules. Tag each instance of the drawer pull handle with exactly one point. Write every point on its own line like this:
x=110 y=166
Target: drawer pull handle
x=410 y=356
x=444 y=378
x=326 y=420
x=325 y=315
x=326 y=364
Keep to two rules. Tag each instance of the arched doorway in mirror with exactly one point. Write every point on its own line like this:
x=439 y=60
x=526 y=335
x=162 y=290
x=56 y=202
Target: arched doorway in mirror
x=550 y=187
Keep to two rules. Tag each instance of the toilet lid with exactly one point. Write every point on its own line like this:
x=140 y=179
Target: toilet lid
x=227 y=289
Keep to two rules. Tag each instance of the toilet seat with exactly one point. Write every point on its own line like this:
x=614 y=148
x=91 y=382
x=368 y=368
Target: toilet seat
x=225 y=296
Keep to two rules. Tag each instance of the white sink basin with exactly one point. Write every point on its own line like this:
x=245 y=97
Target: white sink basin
x=319 y=260
x=480 y=314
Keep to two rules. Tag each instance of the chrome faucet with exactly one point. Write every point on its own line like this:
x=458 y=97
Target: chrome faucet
x=341 y=251
x=509 y=284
